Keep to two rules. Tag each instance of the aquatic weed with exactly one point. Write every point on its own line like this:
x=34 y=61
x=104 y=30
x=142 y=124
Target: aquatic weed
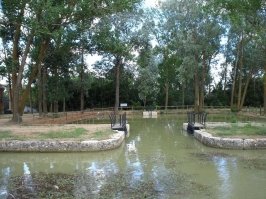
x=254 y=163
x=108 y=185
x=210 y=155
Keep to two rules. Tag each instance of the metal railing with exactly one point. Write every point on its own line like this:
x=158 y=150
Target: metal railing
x=201 y=118
x=119 y=125
x=253 y=110
x=74 y=116
x=112 y=119
x=123 y=122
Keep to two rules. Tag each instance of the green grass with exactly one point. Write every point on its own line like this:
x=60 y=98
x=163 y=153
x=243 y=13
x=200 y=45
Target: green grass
x=102 y=134
x=5 y=134
x=76 y=133
x=235 y=130
x=6 y=116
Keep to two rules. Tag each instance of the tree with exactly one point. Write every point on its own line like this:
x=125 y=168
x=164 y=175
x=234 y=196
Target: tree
x=254 y=24
x=147 y=83
x=161 y=31
x=115 y=39
x=197 y=43
x=44 y=20
x=57 y=70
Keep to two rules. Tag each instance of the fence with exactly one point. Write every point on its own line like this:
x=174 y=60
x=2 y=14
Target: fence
x=66 y=117
x=76 y=116
x=253 y=110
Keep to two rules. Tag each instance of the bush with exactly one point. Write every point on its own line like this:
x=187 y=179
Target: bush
x=233 y=120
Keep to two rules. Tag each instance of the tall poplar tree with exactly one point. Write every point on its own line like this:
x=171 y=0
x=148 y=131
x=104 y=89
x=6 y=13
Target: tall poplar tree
x=254 y=23
x=116 y=38
x=197 y=42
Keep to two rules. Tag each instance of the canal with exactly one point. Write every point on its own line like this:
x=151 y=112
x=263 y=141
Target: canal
x=157 y=160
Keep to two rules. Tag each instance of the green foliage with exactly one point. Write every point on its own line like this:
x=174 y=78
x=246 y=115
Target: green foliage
x=5 y=134
x=136 y=104
x=234 y=108
x=233 y=120
x=30 y=28
x=147 y=85
x=2 y=70
x=187 y=37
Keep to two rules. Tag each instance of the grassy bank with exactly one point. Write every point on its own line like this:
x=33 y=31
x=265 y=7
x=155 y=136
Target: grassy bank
x=236 y=130
x=79 y=134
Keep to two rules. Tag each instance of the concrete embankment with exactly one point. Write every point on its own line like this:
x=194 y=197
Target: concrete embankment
x=64 y=146
x=228 y=143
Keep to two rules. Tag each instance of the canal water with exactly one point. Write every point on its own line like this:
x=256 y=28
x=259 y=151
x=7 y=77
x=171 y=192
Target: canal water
x=157 y=160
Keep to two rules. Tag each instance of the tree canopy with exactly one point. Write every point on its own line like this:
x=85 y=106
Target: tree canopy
x=177 y=53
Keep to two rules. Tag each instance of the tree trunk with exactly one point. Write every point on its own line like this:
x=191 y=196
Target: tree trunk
x=117 y=83
x=55 y=107
x=51 y=108
x=44 y=90
x=264 y=86
x=240 y=75
x=82 y=98
x=183 y=92
x=82 y=81
x=9 y=80
x=166 y=81
x=19 y=100
x=56 y=88
x=245 y=90
x=196 y=92
x=10 y=106
x=18 y=109
x=64 y=105
x=144 y=102
x=40 y=90
x=225 y=75
x=234 y=81
x=31 y=101
x=202 y=88
x=15 y=65
x=32 y=76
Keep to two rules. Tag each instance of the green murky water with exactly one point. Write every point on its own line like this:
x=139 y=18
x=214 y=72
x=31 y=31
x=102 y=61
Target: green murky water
x=157 y=160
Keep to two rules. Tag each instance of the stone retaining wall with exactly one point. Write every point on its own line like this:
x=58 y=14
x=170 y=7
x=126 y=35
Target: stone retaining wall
x=229 y=143
x=63 y=146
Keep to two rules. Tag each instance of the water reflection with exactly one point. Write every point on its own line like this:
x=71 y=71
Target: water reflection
x=158 y=156
x=224 y=175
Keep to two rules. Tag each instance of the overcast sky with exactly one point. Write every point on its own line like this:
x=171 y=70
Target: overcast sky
x=151 y=2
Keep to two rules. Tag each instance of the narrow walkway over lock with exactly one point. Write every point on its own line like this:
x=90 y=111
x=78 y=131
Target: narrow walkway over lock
x=196 y=121
x=120 y=125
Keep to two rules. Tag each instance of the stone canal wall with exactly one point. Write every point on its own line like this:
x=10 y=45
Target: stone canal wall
x=63 y=146
x=228 y=143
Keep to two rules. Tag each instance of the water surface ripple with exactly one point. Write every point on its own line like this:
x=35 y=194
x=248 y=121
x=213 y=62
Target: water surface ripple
x=157 y=160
